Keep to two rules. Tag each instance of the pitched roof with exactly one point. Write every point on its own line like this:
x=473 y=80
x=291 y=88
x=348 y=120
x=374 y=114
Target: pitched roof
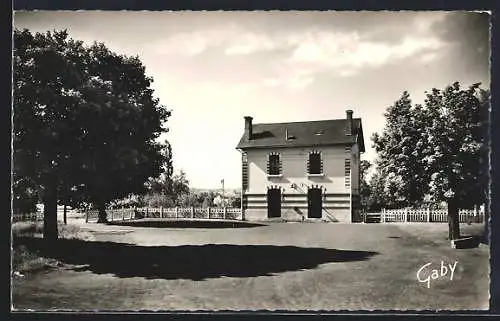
x=307 y=133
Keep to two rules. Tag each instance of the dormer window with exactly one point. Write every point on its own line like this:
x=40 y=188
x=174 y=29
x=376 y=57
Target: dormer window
x=274 y=167
x=315 y=163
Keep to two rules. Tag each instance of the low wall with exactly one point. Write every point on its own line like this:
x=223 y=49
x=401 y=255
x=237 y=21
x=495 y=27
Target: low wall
x=292 y=215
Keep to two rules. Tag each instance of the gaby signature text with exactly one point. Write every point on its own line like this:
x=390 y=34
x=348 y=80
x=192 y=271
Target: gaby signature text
x=427 y=273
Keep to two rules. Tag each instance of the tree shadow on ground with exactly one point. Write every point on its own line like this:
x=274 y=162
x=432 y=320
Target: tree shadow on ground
x=194 y=262
x=168 y=223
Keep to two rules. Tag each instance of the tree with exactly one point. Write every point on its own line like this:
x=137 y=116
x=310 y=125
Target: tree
x=398 y=148
x=46 y=71
x=437 y=150
x=85 y=122
x=456 y=154
x=119 y=150
x=25 y=195
x=235 y=200
x=180 y=187
x=364 y=189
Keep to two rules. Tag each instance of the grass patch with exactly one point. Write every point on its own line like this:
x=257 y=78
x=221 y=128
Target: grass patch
x=25 y=260
x=35 y=229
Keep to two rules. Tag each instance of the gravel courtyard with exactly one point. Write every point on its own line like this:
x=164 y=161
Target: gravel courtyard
x=277 y=266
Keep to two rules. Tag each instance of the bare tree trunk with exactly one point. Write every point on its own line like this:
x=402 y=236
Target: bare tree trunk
x=103 y=217
x=453 y=223
x=50 y=232
x=65 y=215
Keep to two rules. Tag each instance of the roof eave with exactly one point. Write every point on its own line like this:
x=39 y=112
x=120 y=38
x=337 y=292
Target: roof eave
x=293 y=146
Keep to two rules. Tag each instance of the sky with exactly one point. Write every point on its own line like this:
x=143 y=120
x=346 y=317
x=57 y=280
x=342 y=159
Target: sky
x=213 y=68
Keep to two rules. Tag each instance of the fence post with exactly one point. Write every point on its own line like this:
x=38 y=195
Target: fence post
x=428 y=214
x=406 y=215
x=161 y=211
x=383 y=215
x=224 y=212
x=176 y=212
x=192 y=211
x=208 y=212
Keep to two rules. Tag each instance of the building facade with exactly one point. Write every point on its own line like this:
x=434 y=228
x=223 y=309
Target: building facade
x=302 y=170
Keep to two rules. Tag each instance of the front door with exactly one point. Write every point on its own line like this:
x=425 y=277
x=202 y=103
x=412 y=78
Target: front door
x=314 y=203
x=274 y=202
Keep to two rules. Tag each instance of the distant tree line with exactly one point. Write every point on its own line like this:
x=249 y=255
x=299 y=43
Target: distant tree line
x=175 y=192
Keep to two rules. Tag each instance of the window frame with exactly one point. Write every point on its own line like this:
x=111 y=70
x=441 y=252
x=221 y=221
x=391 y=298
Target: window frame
x=321 y=165
x=278 y=166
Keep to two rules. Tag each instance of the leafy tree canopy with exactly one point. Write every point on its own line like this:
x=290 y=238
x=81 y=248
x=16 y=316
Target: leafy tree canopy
x=437 y=150
x=86 y=124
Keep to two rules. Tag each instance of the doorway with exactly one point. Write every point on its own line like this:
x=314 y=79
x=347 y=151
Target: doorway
x=314 y=202
x=273 y=202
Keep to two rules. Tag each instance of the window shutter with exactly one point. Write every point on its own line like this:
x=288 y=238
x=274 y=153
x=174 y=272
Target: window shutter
x=315 y=163
x=280 y=165
x=274 y=164
x=244 y=171
x=347 y=173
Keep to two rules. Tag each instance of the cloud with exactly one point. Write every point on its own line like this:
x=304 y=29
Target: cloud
x=230 y=38
x=249 y=42
x=271 y=82
x=347 y=73
x=340 y=50
x=428 y=57
x=292 y=81
x=293 y=57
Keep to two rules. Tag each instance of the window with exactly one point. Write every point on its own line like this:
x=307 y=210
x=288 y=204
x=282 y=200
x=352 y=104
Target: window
x=347 y=173
x=315 y=164
x=274 y=164
x=244 y=170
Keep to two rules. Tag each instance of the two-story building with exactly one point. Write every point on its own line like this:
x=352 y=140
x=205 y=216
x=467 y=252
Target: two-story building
x=302 y=170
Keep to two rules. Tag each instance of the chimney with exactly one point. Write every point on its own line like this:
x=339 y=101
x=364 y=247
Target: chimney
x=248 y=127
x=348 y=128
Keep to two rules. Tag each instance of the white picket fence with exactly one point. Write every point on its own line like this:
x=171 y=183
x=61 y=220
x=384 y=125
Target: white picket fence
x=38 y=215
x=225 y=213
x=27 y=217
x=425 y=215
